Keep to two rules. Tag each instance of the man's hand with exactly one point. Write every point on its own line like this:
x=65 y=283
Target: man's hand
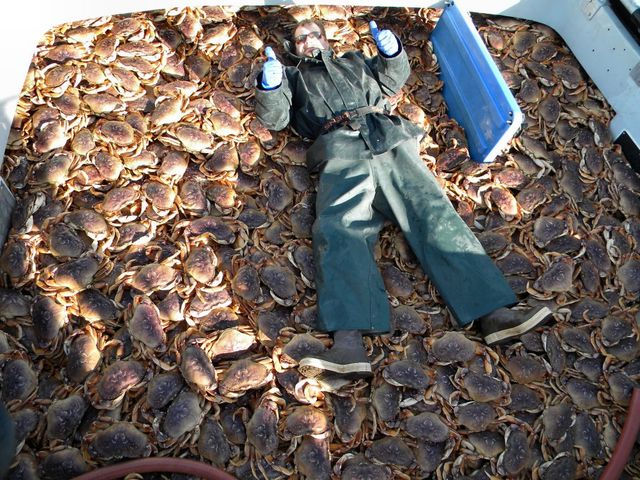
x=271 y=70
x=385 y=40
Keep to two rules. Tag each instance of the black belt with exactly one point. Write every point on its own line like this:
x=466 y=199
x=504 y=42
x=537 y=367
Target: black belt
x=348 y=116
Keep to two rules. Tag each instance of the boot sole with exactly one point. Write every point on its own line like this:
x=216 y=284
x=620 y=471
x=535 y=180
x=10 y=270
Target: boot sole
x=332 y=383
x=524 y=327
x=312 y=367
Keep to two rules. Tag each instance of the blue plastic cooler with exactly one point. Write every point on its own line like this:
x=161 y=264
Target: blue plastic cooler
x=476 y=94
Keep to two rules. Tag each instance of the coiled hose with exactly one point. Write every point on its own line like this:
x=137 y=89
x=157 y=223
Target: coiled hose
x=628 y=437
x=157 y=464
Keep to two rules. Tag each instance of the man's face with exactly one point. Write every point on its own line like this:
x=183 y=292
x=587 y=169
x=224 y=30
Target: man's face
x=308 y=38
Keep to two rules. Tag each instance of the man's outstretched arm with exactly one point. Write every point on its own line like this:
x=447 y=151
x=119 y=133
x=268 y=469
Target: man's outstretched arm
x=273 y=95
x=391 y=65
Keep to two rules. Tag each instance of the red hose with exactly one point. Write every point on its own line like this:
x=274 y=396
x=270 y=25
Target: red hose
x=625 y=443
x=157 y=464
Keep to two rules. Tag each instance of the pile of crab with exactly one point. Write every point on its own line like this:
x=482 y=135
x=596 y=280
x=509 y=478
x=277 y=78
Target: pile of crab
x=158 y=279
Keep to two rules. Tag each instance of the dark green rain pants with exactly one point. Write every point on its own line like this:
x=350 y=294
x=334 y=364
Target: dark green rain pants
x=356 y=193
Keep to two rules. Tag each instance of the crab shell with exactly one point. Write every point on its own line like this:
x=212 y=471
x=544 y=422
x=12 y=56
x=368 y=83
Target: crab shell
x=196 y=368
x=120 y=440
x=68 y=462
x=244 y=375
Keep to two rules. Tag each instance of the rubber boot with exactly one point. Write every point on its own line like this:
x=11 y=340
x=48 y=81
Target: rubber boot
x=506 y=324
x=347 y=357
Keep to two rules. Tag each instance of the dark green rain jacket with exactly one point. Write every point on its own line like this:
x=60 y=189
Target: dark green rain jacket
x=351 y=292
x=317 y=89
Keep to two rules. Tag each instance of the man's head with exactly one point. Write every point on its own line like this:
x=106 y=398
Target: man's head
x=309 y=36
